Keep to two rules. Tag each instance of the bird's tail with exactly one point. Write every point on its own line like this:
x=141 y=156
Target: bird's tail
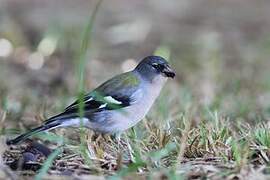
x=32 y=132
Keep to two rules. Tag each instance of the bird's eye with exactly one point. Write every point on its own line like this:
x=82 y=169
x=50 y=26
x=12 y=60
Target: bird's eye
x=155 y=65
x=158 y=67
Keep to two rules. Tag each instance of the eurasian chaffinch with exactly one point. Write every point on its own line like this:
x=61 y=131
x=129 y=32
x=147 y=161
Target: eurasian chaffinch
x=115 y=105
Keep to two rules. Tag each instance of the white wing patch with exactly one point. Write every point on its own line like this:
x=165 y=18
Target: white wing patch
x=110 y=99
x=102 y=106
x=90 y=99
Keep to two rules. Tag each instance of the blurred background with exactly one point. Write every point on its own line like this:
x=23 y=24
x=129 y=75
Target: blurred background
x=219 y=49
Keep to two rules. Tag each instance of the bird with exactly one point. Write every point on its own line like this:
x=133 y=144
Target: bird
x=116 y=105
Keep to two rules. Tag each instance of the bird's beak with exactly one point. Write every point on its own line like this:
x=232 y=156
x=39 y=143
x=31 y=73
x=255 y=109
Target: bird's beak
x=168 y=72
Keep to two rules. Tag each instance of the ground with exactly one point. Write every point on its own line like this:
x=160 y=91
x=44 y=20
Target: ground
x=210 y=122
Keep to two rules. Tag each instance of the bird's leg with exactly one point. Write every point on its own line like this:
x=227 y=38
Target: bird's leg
x=118 y=139
x=98 y=138
x=130 y=150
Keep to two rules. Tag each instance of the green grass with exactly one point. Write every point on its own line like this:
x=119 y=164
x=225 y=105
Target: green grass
x=261 y=136
x=82 y=56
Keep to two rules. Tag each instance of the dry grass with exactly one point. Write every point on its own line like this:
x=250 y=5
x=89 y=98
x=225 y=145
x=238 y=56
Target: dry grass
x=207 y=150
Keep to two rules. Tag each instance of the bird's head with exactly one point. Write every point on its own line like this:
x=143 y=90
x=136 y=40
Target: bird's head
x=153 y=66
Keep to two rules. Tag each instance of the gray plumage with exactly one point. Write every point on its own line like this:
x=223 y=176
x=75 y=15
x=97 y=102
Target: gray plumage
x=117 y=104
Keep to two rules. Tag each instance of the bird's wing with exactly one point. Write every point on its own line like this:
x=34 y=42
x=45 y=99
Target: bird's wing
x=116 y=93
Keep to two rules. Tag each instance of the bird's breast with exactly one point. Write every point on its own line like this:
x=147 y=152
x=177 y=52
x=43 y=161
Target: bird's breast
x=130 y=116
